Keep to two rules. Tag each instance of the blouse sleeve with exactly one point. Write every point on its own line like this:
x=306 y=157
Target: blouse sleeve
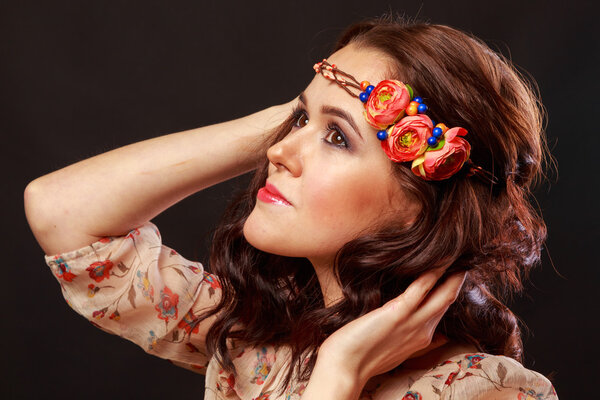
x=137 y=288
x=498 y=378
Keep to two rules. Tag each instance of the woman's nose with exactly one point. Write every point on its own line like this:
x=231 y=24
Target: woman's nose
x=286 y=154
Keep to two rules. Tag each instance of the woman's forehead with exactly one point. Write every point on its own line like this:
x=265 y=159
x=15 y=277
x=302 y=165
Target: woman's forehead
x=363 y=64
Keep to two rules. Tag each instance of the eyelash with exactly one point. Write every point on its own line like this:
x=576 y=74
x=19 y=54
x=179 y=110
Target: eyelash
x=299 y=111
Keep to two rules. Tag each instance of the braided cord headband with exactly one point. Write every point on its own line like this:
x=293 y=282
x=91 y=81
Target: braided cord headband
x=405 y=132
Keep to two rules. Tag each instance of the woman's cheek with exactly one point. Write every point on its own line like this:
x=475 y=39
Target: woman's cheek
x=325 y=199
x=342 y=203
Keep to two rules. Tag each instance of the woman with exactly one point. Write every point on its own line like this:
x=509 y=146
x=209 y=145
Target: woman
x=326 y=275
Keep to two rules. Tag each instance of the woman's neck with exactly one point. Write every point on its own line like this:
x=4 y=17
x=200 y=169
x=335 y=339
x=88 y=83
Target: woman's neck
x=332 y=292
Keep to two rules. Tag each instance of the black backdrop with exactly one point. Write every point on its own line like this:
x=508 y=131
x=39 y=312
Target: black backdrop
x=79 y=78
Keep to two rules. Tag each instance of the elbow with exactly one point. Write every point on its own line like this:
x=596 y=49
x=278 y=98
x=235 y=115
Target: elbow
x=38 y=217
x=31 y=200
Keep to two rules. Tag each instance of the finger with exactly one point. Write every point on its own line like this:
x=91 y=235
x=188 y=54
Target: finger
x=441 y=297
x=410 y=299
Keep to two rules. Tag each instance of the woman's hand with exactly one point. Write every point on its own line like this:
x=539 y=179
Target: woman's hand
x=385 y=337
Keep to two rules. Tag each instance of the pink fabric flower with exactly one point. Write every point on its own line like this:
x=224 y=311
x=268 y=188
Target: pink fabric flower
x=386 y=103
x=407 y=139
x=447 y=160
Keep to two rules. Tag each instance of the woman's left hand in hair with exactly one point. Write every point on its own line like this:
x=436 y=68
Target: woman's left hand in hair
x=382 y=339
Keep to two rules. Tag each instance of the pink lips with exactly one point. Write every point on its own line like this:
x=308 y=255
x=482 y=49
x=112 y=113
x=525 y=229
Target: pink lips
x=270 y=194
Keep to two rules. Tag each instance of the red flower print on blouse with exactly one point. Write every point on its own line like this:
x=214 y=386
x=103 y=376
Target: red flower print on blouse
x=412 y=396
x=100 y=270
x=297 y=390
x=188 y=323
x=226 y=383
x=131 y=234
x=241 y=353
x=167 y=308
x=92 y=289
x=191 y=348
x=457 y=376
x=474 y=360
x=197 y=366
x=528 y=394
x=450 y=378
x=63 y=271
x=212 y=280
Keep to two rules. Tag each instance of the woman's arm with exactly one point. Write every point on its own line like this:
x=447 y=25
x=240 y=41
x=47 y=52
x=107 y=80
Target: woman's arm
x=111 y=193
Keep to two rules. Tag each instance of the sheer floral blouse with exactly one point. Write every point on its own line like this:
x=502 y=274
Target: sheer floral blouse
x=137 y=288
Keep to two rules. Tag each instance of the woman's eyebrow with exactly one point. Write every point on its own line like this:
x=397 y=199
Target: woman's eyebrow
x=325 y=109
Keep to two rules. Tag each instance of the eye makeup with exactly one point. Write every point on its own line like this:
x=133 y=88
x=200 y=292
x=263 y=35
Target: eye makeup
x=300 y=112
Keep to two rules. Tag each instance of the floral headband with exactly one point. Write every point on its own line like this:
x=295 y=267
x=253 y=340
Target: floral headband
x=405 y=132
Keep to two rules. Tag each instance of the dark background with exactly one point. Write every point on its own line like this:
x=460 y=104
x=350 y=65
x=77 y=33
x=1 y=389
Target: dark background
x=80 y=78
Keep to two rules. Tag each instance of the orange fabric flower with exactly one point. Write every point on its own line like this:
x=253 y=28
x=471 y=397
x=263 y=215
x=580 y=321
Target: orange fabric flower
x=447 y=160
x=386 y=103
x=407 y=139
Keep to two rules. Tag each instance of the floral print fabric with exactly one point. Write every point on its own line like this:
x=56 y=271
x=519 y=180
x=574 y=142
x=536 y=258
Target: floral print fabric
x=135 y=287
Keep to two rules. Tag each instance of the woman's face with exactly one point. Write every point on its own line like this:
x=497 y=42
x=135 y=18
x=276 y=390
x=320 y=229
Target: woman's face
x=337 y=184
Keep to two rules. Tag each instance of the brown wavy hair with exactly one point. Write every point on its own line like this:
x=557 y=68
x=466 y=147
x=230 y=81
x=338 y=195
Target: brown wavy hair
x=490 y=230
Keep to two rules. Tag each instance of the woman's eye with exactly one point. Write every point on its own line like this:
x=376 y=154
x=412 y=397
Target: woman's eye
x=336 y=138
x=333 y=135
x=300 y=120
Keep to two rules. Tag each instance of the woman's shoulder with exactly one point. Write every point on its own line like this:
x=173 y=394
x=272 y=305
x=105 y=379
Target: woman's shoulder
x=464 y=376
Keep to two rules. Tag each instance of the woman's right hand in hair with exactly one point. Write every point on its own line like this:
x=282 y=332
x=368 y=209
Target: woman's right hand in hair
x=114 y=192
x=384 y=338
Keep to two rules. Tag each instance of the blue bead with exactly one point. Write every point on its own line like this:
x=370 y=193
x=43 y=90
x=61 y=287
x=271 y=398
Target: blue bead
x=437 y=132
x=432 y=122
x=369 y=89
x=363 y=97
x=417 y=99
x=432 y=141
x=382 y=134
x=422 y=108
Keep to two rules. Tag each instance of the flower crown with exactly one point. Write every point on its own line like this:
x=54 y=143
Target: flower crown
x=405 y=132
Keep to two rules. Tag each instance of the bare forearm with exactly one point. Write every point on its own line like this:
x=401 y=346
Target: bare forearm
x=113 y=192
x=332 y=383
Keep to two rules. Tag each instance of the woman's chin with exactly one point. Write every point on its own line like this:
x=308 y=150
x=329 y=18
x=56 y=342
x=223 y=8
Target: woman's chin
x=258 y=237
